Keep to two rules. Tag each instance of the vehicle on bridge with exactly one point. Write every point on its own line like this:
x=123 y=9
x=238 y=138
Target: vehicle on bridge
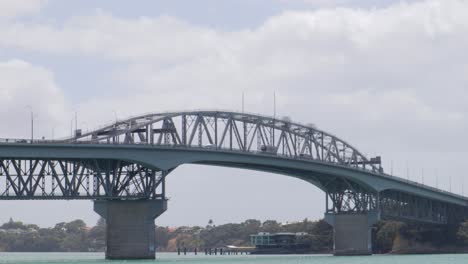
x=270 y=149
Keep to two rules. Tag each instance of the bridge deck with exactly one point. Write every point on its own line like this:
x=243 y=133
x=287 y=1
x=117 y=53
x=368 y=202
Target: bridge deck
x=236 y=158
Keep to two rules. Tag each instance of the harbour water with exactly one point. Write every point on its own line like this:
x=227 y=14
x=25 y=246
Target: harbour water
x=98 y=258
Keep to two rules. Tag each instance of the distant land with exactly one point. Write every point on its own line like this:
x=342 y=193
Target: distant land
x=389 y=236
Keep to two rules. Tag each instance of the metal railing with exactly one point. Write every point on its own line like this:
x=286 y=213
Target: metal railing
x=217 y=148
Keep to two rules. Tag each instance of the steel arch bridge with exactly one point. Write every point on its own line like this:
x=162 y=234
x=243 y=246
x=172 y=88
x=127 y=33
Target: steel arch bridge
x=131 y=158
x=123 y=167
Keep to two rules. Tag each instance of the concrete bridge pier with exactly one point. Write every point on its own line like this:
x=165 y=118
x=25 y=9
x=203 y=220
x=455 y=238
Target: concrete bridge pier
x=130 y=227
x=352 y=232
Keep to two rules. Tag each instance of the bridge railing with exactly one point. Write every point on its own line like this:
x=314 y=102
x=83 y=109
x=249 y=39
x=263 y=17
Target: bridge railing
x=214 y=148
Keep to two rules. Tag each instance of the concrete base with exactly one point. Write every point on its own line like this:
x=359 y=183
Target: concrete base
x=352 y=233
x=130 y=227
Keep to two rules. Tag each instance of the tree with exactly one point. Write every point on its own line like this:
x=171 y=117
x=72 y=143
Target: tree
x=462 y=233
x=250 y=227
x=14 y=225
x=73 y=236
x=271 y=226
x=385 y=235
x=76 y=226
x=162 y=237
x=97 y=236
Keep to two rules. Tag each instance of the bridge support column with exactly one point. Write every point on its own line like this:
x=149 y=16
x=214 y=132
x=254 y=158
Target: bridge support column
x=352 y=232
x=130 y=227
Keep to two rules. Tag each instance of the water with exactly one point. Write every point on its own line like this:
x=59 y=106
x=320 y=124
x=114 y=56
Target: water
x=98 y=258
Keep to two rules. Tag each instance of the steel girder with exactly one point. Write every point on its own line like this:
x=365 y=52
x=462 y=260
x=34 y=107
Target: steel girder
x=405 y=206
x=343 y=196
x=79 y=179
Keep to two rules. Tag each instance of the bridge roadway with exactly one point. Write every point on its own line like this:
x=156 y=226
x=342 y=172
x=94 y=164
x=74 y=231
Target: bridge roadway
x=123 y=166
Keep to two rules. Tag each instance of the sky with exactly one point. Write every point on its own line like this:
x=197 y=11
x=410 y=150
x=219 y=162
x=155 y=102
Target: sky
x=390 y=77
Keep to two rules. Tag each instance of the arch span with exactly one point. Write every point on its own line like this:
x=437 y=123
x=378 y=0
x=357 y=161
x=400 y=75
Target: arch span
x=129 y=160
x=222 y=130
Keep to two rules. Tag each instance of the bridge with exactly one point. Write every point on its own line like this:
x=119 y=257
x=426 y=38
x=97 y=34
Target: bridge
x=123 y=167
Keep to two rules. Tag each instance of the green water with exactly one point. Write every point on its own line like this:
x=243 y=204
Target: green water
x=90 y=258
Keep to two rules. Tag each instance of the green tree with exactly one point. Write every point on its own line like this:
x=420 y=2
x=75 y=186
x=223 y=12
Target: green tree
x=162 y=237
x=385 y=234
x=271 y=226
x=462 y=233
x=14 y=225
x=97 y=236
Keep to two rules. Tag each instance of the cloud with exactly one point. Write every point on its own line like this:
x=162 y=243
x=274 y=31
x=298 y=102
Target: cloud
x=14 y=8
x=24 y=85
x=399 y=68
x=400 y=119
x=164 y=39
x=391 y=81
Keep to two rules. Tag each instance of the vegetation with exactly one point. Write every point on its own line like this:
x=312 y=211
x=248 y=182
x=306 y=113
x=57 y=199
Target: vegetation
x=389 y=236
x=399 y=237
x=63 y=237
x=213 y=236
x=385 y=234
x=462 y=233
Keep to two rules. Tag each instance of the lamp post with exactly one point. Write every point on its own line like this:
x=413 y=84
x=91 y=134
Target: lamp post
x=115 y=115
x=32 y=122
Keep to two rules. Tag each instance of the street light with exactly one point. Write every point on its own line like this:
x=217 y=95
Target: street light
x=115 y=114
x=32 y=122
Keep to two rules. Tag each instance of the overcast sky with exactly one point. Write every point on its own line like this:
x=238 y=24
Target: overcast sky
x=390 y=77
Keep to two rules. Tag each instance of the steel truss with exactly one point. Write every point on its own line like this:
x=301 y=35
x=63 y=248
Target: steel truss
x=210 y=130
x=405 y=206
x=79 y=179
x=234 y=132
x=343 y=196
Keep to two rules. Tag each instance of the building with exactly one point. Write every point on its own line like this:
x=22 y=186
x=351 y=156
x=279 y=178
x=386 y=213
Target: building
x=280 y=243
